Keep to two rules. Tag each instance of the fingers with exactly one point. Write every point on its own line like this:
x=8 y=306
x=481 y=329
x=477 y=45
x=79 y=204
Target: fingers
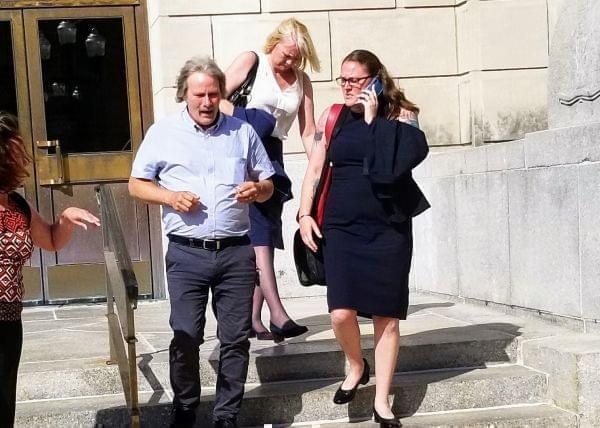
x=247 y=192
x=307 y=227
x=190 y=199
x=315 y=229
x=184 y=201
x=363 y=99
x=310 y=242
x=79 y=217
x=92 y=219
x=368 y=97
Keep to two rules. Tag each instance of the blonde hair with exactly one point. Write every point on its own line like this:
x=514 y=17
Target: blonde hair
x=299 y=34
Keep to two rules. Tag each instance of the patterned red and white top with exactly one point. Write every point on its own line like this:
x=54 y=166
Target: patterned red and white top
x=16 y=248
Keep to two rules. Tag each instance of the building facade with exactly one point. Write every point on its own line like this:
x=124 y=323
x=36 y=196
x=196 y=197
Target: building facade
x=93 y=75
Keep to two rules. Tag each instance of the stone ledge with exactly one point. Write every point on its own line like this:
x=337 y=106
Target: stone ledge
x=550 y=148
x=573 y=364
x=563 y=146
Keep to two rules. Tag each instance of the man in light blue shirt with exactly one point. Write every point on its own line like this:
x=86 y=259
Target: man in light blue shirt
x=204 y=168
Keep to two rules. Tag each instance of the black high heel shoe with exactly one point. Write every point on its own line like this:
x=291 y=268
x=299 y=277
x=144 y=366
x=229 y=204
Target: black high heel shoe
x=386 y=422
x=260 y=335
x=343 y=396
x=287 y=330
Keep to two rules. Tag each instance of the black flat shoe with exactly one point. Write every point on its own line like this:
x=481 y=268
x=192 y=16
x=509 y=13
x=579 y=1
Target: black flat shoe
x=287 y=330
x=225 y=423
x=260 y=335
x=343 y=396
x=386 y=422
x=182 y=418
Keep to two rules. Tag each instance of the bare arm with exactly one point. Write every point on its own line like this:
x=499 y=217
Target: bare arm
x=53 y=237
x=226 y=107
x=237 y=72
x=149 y=192
x=306 y=115
x=308 y=226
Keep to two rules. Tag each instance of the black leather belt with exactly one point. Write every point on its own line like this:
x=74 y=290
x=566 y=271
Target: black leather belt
x=210 y=244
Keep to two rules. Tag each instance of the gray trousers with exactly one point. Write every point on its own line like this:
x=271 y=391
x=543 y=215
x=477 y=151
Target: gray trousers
x=230 y=275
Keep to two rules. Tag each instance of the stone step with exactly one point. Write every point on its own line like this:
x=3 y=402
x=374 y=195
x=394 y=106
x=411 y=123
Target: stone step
x=309 y=400
x=315 y=359
x=535 y=416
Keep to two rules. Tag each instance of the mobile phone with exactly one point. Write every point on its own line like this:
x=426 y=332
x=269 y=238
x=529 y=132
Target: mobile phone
x=376 y=85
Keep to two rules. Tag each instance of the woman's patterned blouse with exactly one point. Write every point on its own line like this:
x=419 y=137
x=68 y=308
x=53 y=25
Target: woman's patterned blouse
x=16 y=248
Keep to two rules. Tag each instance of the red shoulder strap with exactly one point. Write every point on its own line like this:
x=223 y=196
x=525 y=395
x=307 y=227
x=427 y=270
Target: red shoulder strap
x=334 y=113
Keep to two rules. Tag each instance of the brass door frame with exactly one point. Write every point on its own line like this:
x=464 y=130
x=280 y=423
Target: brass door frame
x=32 y=271
x=22 y=4
x=15 y=18
x=87 y=170
x=154 y=215
x=83 y=167
x=12 y=11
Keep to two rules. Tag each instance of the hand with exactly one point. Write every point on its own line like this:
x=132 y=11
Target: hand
x=368 y=99
x=183 y=201
x=308 y=225
x=79 y=217
x=247 y=192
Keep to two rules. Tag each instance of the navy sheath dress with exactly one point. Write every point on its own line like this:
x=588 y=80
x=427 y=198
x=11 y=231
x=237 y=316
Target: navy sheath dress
x=367 y=258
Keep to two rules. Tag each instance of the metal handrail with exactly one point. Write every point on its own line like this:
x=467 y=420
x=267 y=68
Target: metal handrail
x=122 y=293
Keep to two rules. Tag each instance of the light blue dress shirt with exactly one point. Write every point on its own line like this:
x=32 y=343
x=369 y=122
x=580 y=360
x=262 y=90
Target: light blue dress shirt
x=210 y=163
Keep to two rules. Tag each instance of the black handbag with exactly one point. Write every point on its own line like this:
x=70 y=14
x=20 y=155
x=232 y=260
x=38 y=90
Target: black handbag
x=241 y=95
x=310 y=266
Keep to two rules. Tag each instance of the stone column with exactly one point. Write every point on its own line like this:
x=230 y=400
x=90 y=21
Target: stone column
x=574 y=107
x=574 y=69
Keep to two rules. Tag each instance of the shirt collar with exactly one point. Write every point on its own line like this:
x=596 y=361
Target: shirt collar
x=185 y=114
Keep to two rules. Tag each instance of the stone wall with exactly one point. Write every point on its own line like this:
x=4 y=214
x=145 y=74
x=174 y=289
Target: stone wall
x=516 y=224
x=477 y=68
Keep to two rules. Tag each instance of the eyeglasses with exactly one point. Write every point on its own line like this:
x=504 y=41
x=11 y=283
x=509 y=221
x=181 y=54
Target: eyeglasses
x=353 y=81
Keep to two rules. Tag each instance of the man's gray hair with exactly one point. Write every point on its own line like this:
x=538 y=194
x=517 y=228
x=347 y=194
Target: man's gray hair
x=198 y=64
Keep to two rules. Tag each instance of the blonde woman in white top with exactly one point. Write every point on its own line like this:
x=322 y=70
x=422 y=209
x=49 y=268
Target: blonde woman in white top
x=284 y=90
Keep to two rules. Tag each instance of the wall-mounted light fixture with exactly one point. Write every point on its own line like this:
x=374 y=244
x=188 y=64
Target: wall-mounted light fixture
x=67 y=32
x=95 y=43
x=45 y=47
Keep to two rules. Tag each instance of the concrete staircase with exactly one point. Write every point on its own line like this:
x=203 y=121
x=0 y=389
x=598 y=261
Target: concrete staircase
x=453 y=371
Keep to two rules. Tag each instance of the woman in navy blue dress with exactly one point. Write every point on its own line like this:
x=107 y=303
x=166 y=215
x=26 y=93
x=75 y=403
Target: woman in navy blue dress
x=367 y=231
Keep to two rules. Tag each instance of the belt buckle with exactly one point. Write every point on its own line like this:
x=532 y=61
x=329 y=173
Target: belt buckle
x=207 y=245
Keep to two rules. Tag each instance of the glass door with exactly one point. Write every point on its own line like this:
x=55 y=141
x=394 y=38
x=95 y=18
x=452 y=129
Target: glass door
x=85 y=124
x=14 y=98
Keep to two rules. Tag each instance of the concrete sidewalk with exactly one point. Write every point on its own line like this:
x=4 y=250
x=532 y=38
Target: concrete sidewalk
x=66 y=348
x=57 y=335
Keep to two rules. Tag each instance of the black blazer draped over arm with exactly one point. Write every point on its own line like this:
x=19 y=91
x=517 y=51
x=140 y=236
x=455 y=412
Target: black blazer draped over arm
x=396 y=149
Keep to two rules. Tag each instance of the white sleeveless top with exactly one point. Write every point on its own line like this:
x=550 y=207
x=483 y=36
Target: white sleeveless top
x=268 y=96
